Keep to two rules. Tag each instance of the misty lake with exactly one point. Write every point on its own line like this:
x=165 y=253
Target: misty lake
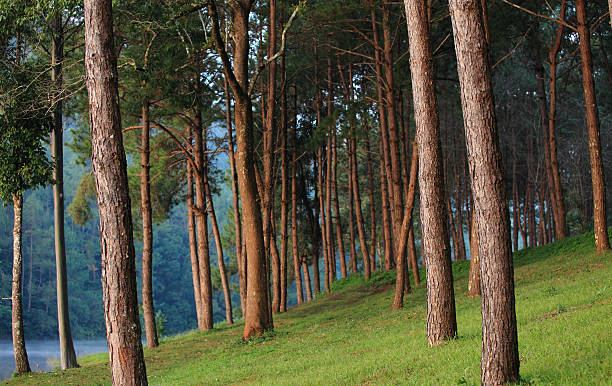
x=44 y=354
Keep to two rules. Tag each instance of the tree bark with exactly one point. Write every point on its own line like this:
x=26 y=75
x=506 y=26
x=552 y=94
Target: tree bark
x=602 y=241
x=67 y=354
x=147 y=232
x=371 y=196
x=258 y=316
x=202 y=222
x=193 y=247
x=331 y=273
x=337 y=208
x=294 y=228
x=500 y=360
x=307 y=279
x=110 y=171
x=557 y=190
x=352 y=249
x=240 y=257
x=441 y=319
x=22 y=365
x=363 y=246
x=284 y=188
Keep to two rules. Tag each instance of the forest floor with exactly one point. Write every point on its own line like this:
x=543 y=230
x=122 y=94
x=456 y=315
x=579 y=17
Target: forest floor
x=351 y=336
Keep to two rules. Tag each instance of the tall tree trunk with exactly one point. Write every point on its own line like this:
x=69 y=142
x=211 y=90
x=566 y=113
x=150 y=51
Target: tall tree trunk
x=441 y=319
x=385 y=161
x=602 y=241
x=147 y=232
x=219 y=248
x=22 y=365
x=337 y=209
x=500 y=360
x=352 y=249
x=371 y=197
x=110 y=171
x=396 y=171
x=412 y=255
x=240 y=257
x=557 y=190
x=202 y=223
x=193 y=247
x=284 y=198
x=294 y=228
x=363 y=246
x=258 y=316
x=331 y=275
x=67 y=354
x=268 y=159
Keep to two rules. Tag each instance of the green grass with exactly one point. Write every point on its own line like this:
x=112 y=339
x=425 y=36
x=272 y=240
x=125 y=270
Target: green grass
x=351 y=336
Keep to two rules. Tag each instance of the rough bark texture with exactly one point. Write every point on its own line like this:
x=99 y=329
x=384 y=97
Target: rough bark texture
x=294 y=230
x=441 y=319
x=602 y=241
x=339 y=232
x=284 y=188
x=258 y=316
x=147 y=232
x=363 y=246
x=500 y=360
x=109 y=166
x=22 y=365
x=67 y=354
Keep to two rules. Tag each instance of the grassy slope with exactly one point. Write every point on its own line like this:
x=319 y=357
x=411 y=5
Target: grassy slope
x=564 y=310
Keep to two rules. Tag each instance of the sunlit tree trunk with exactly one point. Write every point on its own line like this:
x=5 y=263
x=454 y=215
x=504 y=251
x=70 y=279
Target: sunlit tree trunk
x=22 y=365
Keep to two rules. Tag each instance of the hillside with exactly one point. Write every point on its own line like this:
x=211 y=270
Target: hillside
x=564 y=311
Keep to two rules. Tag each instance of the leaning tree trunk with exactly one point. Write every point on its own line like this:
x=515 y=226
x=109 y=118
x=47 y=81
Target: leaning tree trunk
x=441 y=319
x=500 y=360
x=602 y=242
x=67 y=355
x=22 y=365
x=110 y=171
x=147 y=232
x=220 y=261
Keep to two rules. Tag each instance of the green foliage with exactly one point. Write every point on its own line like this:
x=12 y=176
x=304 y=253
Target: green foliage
x=24 y=126
x=80 y=209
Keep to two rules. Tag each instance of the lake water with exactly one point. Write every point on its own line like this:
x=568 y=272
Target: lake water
x=44 y=354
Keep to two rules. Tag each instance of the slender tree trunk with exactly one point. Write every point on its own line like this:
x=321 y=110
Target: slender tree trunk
x=557 y=190
x=147 y=232
x=474 y=278
x=240 y=257
x=67 y=354
x=500 y=360
x=337 y=209
x=363 y=246
x=284 y=188
x=331 y=275
x=307 y=280
x=193 y=247
x=602 y=241
x=110 y=171
x=396 y=175
x=385 y=160
x=371 y=196
x=202 y=224
x=441 y=319
x=22 y=365
x=412 y=254
x=402 y=282
x=218 y=246
x=294 y=228
x=352 y=249
x=316 y=248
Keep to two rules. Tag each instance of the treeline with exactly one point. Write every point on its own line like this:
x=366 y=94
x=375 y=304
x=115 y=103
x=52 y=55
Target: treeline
x=354 y=133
